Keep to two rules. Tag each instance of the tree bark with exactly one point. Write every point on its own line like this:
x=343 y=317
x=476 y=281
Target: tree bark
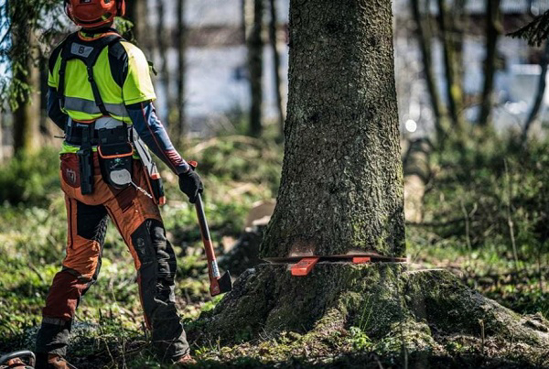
x=137 y=13
x=341 y=191
x=493 y=30
x=534 y=111
x=417 y=172
x=26 y=115
x=454 y=92
x=244 y=21
x=421 y=313
x=255 y=66
x=425 y=38
x=273 y=33
x=341 y=188
x=1 y=137
x=459 y=24
x=181 y=70
x=163 y=43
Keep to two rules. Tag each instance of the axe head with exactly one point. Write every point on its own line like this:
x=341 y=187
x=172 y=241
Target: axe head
x=221 y=285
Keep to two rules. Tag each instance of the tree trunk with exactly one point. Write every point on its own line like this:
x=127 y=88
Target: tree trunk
x=244 y=20
x=255 y=66
x=539 y=94
x=163 y=43
x=425 y=39
x=341 y=187
x=280 y=104
x=417 y=172
x=453 y=79
x=459 y=24
x=181 y=70
x=137 y=13
x=493 y=30
x=26 y=115
x=341 y=191
x=1 y=137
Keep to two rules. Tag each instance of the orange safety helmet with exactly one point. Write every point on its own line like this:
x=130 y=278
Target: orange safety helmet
x=94 y=13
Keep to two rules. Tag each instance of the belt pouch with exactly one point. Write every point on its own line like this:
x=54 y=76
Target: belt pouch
x=157 y=187
x=85 y=161
x=116 y=163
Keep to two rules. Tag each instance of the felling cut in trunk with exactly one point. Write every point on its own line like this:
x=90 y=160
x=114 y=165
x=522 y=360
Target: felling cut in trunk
x=341 y=201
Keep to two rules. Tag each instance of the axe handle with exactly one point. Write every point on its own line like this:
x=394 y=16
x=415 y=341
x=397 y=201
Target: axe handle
x=213 y=269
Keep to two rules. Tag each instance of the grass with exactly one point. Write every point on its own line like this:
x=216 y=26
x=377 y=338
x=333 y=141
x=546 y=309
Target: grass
x=238 y=172
x=109 y=319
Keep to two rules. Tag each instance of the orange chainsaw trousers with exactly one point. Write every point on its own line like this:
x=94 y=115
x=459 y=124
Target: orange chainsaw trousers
x=138 y=220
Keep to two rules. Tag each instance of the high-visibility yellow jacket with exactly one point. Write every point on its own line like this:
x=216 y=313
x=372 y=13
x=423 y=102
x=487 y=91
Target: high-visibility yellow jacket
x=123 y=78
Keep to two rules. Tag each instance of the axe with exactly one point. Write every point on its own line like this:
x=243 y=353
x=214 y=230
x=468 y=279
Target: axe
x=218 y=283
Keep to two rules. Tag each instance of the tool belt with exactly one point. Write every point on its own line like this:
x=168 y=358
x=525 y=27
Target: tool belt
x=115 y=148
x=74 y=133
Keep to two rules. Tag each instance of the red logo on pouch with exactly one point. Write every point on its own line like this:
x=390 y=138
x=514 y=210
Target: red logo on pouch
x=71 y=176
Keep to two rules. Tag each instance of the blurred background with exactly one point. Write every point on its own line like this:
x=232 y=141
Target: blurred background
x=473 y=119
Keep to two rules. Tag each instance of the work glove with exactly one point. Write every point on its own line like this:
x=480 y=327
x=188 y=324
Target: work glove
x=191 y=185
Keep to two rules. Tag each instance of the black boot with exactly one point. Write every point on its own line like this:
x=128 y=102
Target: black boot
x=49 y=361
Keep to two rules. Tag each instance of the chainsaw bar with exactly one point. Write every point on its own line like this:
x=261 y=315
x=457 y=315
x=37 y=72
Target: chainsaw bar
x=301 y=266
x=355 y=258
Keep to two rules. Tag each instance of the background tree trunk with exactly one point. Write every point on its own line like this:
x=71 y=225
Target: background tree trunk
x=181 y=70
x=137 y=13
x=164 y=41
x=457 y=36
x=454 y=92
x=26 y=115
x=273 y=33
x=244 y=10
x=493 y=30
x=1 y=137
x=341 y=186
x=255 y=65
x=534 y=111
x=424 y=34
x=417 y=172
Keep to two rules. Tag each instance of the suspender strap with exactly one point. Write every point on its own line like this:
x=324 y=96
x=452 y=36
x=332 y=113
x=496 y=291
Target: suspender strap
x=88 y=52
x=96 y=95
x=63 y=68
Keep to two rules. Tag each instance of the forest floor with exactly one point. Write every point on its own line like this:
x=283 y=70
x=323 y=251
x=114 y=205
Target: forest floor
x=109 y=329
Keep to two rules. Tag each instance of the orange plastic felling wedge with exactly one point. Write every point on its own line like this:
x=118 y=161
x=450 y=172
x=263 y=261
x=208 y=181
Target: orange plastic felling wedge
x=361 y=259
x=304 y=267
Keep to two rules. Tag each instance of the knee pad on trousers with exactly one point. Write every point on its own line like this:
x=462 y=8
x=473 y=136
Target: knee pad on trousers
x=152 y=247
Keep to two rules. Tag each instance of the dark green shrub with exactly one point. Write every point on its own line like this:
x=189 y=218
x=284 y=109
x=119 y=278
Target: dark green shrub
x=30 y=178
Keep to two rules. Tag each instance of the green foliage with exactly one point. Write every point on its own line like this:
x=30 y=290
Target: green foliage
x=536 y=31
x=30 y=178
x=109 y=325
x=485 y=196
x=240 y=158
x=23 y=21
x=359 y=339
x=490 y=176
x=494 y=182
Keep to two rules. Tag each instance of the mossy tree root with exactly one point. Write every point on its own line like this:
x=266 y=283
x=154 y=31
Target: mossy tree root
x=424 y=314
